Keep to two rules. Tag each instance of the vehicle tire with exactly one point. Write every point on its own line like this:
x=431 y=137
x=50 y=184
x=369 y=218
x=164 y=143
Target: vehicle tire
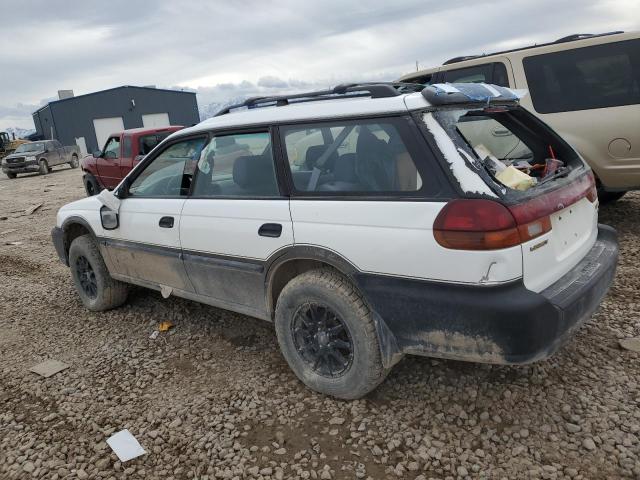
x=609 y=197
x=327 y=335
x=44 y=167
x=74 y=161
x=91 y=185
x=12 y=175
x=97 y=290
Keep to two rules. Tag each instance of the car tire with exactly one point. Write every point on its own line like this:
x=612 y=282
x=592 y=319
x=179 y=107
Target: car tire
x=91 y=185
x=44 y=167
x=97 y=290
x=74 y=161
x=11 y=175
x=342 y=358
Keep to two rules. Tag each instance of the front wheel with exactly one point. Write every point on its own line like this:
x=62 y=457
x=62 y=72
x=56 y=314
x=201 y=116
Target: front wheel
x=97 y=290
x=43 y=167
x=74 y=162
x=11 y=175
x=91 y=185
x=327 y=335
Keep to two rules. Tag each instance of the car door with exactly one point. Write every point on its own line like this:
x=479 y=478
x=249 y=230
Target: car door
x=108 y=164
x=146 y=245
x=56 y=154
x=235 y=220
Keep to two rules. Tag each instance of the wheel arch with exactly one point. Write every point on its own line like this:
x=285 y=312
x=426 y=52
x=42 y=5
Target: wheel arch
x=72 y=228
x=297 y=260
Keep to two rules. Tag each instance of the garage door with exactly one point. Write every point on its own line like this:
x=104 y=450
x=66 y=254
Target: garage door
x=105 y=127
x=155 y=120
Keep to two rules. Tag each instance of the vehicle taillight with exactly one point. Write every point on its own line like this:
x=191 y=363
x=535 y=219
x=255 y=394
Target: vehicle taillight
x=475 y=224
x=478 y=224
x=592 y=192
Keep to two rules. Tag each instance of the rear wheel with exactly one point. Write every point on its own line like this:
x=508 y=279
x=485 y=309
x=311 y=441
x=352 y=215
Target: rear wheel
x=74 y=161
x=44 y=167
x=327 y=335
x=91 y=185
x=97 y=290
x=11 y=175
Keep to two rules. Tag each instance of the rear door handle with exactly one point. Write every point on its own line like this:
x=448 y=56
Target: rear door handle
x=166 y=222
x=270 y=230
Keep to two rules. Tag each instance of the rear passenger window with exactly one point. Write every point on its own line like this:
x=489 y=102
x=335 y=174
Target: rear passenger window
x=239 y=165
x=599 y=76
x=495 y=73
x=351 y=157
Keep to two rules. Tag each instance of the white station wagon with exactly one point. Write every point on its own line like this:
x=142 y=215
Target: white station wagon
x=366 y=222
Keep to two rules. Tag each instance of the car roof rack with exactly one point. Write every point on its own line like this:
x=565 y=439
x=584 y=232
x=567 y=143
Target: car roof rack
x=342 y=91
x=568 y=38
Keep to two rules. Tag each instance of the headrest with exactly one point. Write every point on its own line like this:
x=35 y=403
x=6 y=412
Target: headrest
x=253 y=171
x=315 y=152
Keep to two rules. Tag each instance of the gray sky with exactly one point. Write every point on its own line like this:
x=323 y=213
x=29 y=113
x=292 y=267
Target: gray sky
x=229 y=49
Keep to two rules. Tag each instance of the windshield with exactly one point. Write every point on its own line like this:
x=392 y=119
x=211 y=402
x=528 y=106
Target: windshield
x=30 y=147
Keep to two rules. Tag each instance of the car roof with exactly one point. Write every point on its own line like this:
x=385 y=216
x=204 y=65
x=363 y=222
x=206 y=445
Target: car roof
x=135 y=131
x=309 y=111
x=566 y=43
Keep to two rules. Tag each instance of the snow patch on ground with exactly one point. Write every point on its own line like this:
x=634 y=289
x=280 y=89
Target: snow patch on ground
x=469 y=180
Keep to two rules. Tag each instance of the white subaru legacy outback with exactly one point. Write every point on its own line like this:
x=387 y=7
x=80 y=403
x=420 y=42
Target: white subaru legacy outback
x=366 y=222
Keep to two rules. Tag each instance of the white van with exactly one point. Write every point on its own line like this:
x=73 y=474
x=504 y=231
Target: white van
x=587 y=87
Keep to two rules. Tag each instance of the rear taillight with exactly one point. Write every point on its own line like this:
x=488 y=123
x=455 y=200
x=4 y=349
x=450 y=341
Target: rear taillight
x=477 y=224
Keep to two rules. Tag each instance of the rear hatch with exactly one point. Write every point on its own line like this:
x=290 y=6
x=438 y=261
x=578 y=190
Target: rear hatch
x=543 y=182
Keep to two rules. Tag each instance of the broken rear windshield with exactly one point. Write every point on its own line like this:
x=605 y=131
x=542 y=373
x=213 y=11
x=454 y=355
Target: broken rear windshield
x=516 y=150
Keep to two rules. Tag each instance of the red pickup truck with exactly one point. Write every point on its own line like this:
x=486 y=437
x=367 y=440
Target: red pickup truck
x=122 y=152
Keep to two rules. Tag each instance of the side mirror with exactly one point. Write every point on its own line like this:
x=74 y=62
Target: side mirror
x=97 y=154
x=109 y=218
x=109 y=200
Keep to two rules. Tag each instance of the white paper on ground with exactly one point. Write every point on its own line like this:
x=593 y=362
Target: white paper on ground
x=125 y=445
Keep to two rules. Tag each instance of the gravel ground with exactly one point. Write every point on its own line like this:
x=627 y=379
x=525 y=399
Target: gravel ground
x=213 y=398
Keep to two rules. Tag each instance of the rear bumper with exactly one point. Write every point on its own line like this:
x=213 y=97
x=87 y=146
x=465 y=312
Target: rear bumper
x=57 y=236
x=506 y=324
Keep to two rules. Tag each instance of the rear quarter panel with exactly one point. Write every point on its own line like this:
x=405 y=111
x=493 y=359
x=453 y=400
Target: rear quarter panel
x=396 y=238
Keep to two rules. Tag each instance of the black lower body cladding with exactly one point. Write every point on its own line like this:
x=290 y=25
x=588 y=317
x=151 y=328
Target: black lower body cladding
x=505 y=324
x=24 y=167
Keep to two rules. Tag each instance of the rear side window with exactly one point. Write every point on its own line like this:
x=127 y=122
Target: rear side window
x=364 y=156
x=239 y=165
x=600 y=76
x=495 y=73
x=149 y=142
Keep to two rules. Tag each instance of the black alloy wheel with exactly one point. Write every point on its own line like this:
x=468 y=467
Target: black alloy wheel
x=322 y=340
x=87 y=277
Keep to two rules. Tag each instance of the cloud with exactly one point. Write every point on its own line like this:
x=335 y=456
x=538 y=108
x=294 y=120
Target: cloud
x=252 y=47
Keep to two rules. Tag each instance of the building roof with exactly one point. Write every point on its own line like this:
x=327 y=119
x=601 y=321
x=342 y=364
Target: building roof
x=316 y=110
x=110 y=90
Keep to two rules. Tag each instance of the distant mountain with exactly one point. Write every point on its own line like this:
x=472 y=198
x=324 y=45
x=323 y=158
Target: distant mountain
x=210 y=110
x=19 y=132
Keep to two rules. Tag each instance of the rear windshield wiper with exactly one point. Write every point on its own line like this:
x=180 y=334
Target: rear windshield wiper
x=562 y=172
